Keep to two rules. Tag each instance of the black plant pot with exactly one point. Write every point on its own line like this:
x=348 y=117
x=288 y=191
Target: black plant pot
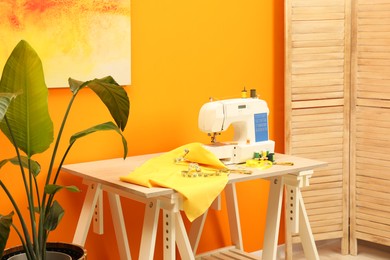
x=58 y=251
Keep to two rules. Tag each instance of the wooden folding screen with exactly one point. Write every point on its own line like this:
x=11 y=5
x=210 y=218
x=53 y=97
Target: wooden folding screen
x=370 y=125
x=317 y=80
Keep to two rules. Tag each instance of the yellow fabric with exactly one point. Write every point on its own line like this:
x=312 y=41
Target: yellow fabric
x=198 y=192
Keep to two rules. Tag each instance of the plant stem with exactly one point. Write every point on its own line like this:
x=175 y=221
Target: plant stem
x=38 y=197
x=29 y=192
x=32 y=209
x=46 y=204
x=58 y=139
x=23 y=223
x=61 y=163
x=51 y=197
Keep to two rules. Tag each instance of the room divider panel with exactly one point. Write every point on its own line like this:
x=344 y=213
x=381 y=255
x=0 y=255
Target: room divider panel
x=317 y=108
x=370 y=123
x=337 y=108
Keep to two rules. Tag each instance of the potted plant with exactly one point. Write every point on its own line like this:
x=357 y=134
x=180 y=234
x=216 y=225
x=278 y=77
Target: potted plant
x=26 y=122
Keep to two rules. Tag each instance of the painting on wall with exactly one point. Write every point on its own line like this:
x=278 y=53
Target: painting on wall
x=81 y=39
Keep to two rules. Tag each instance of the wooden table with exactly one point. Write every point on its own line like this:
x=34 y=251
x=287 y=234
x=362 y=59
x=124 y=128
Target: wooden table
x=104 y=176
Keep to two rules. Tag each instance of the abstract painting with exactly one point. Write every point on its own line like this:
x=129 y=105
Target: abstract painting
x=81 y=39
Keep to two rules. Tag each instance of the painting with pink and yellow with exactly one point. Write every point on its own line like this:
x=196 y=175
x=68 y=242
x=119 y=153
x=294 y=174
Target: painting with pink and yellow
x=82 y=39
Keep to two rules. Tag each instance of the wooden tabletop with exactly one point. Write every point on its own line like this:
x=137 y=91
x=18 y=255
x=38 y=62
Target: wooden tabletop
x=107 y=172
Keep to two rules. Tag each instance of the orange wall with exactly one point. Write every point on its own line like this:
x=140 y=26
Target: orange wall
x=183 y=52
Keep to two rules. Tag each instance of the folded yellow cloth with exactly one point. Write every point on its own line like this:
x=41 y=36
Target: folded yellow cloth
x=198 y=192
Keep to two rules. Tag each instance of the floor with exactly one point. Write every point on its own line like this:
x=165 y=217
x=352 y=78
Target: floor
x=330 y=250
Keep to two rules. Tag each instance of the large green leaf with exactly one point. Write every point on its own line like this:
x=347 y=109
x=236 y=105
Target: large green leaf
x=101 y=127
x=28 y=114
x=112 y=95
x=5 y=227
x=35 y=167
x=54 y=188
x=56 y=212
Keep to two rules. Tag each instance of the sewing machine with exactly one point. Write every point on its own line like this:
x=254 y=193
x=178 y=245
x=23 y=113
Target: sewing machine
x=249 y=118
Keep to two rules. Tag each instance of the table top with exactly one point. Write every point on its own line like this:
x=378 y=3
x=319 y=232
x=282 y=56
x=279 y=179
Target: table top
x=107 y=172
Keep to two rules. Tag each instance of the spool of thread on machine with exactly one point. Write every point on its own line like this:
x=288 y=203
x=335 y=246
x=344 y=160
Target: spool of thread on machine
x=244 y=93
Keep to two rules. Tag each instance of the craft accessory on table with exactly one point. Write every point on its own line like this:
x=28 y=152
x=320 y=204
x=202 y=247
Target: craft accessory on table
x=265 y=155
x=284 y=163
x=194 y=173
x=182 y=159
x=195 y=170
x=260 y=164
x=260 y=160
x=270 y=156
x=264 y=160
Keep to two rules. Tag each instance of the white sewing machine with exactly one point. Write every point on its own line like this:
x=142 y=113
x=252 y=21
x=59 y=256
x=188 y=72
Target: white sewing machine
x=249 y=117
